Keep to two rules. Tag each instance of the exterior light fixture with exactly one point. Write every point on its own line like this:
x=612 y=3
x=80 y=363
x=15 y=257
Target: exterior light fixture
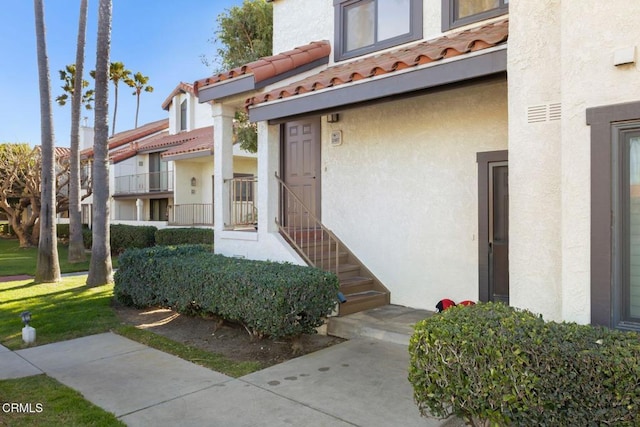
x=333 y=118
x=28 y=333
x=193 y=181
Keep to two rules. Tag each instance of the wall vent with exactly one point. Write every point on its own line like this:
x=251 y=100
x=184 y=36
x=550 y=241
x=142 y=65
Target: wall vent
x=544 y=113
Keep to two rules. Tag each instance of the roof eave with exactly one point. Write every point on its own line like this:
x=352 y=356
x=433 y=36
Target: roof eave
x=247 y=83
x=472 y=66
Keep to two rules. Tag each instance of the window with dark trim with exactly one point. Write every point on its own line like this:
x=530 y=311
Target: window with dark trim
x=183 y=115
x=615 y=215
x=364 y=26
x=456 y=13
x=243 y=191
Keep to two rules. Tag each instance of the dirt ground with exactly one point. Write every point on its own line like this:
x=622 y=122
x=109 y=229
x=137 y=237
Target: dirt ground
x=224 y=338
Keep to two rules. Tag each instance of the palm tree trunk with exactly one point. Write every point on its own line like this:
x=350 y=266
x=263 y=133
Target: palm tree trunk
x=76 y=244
x=137 y=108
x=115 y=108
x=100 y=269
x=48 y=266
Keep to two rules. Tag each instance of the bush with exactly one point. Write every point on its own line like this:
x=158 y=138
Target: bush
x=268 y=298
x=490 y=362
x=124 y=237
x=62 y=230
x=184 y=236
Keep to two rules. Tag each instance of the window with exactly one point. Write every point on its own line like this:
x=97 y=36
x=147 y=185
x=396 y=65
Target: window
x=615 y=215
x=364 y=26
x=626 y=211
x=456 y=13
x=243 y=191
x=183 y=115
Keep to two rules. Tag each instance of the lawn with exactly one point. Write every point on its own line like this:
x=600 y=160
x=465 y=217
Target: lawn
x=60 y=311
x=49 y=403
x=15 y=260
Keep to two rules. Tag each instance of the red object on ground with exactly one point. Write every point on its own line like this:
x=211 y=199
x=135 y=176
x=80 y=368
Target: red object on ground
x=466 y=302
x=443 y=304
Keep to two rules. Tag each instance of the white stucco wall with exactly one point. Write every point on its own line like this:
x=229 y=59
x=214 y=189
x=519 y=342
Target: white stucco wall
x=198 y=115
x=401 y=191
x=535 y=251
x=297 y=23
x=589 y=79
x=550 y=162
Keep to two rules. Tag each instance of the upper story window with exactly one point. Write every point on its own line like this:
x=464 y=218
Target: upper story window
x=456 y=13
x=364 y=26
x=183 y=115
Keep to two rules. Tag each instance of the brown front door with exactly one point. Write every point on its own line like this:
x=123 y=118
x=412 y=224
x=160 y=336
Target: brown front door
x=302 y=170
x=493 y=226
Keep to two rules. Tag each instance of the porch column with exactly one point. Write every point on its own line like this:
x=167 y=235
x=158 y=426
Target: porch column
x=268 y=165
x=222 y=163
x=139 y=205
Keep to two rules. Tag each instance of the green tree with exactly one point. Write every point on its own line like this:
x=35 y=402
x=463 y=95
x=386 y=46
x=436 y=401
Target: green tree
x=139 y=83
x=245 y=33
x=76 y=243
x=117 y=72
x=20 y=183
x=100 y=268
x=48 y=265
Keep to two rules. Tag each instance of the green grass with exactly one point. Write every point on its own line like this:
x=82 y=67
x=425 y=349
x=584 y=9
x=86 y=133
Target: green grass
x=60 y=311
x=15 y=260
x=66 y=310
x=58 y=405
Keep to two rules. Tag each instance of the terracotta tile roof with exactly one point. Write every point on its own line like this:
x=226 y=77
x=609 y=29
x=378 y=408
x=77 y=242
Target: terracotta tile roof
x=127 y=136
x=272 y=66
x=389 y=62
x=199 y=140
x=179 y=143
x=181 y=88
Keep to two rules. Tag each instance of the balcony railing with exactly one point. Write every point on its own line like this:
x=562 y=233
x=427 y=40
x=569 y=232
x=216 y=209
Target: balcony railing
x=144 y=183
x=192 y=214
x=243 y=202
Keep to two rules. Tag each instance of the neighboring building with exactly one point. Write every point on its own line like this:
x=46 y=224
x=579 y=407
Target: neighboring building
x=468 y=150
x=162 y=172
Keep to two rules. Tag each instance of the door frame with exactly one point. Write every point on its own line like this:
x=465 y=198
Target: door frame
x=484 y=160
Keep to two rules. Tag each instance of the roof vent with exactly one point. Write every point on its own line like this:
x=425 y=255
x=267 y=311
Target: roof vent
x=544 y=113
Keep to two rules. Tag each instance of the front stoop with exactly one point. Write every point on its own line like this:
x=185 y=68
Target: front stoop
x=391 y=323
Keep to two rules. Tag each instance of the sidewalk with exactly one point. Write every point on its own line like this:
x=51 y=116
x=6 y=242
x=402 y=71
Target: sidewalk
x=361 y=382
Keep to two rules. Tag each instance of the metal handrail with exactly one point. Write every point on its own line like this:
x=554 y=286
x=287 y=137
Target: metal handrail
x=306 y=232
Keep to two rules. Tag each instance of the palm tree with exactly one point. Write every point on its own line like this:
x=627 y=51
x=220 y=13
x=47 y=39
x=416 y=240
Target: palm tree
x=76 y=243
x=68 y=77
x=139 y=82
x=117 y=72
x=48 y=265
x=100 y=268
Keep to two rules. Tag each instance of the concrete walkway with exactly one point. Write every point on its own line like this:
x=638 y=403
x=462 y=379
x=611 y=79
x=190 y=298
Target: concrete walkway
x=361 y=382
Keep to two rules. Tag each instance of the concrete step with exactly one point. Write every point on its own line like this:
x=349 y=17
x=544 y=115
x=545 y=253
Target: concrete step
x=391 y=323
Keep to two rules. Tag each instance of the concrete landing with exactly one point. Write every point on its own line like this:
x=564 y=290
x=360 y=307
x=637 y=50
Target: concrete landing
x=390 y=323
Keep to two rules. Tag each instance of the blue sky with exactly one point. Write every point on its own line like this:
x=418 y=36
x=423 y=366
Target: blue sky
x=163 y=39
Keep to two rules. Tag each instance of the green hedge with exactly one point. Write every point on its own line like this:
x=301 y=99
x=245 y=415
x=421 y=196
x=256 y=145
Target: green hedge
x=268 y=298
x=490 y=362
x=125 y=236
x=184 y=236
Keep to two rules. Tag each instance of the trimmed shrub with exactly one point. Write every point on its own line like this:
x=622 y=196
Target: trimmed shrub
x=184 y=236
x=125 y=236
x=493 y=363
x=268 y=298
x=62 y=230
